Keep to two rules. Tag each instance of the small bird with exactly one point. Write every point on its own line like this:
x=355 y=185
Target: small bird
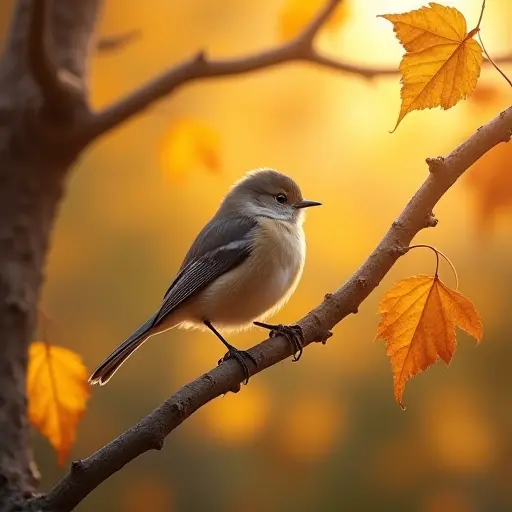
x=243 y=267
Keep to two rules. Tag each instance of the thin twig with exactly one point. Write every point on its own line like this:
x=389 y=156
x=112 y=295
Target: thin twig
x=201 y=67
x=492 y=62
x=150 y=433
x=109 y=44
x=483 y=47
x=481 y=15
x=309 y=34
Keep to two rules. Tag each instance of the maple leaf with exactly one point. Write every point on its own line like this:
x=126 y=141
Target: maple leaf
x=418 y=319
x=187 y=144
x=57 y=391
x=297 y=14
x=443 y=61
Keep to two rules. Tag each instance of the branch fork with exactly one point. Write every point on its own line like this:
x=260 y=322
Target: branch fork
x=60 y=89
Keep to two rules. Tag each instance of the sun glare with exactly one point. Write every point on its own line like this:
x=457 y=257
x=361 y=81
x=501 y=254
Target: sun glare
x=373 y=37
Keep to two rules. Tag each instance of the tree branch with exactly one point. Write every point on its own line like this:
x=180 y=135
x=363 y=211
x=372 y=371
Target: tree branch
x=56 y=97
x=201 y=67
x=109 y=44
x=150 y=433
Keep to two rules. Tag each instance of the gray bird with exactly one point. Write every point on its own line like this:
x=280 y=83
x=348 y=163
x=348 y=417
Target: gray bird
x=241 y=269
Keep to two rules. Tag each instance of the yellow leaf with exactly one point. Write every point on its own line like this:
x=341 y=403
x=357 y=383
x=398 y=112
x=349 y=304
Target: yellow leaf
x=57 y=394
x=443 y=61
x=418 y=319
x=297 y=14
x=188 y=144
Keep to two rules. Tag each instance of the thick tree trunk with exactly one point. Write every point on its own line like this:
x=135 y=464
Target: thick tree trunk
x=37 y=149
x=30 y=189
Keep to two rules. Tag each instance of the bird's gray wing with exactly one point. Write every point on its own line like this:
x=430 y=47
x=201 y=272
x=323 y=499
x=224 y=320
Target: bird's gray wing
x=221 y=246
x=219 y=232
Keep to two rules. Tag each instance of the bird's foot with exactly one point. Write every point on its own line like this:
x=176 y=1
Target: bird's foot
x=293 y=333
x=240 y=356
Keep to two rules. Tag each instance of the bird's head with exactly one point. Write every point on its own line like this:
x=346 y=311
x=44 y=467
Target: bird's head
x=268 y=193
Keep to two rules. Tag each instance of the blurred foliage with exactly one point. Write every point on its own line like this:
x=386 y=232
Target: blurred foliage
x=187 y=145
x=324 y=434
x=296 y=14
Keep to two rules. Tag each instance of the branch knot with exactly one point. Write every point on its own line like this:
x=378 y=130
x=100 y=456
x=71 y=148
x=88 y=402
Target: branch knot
x=435 y=164
x=431 y=221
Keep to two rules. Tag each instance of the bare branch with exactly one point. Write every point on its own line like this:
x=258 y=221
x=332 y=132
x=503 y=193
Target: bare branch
x=316 y=57
x=44 y=71
x=309 y=34
x=109 y=44
x=200 y=67
x=150 y=433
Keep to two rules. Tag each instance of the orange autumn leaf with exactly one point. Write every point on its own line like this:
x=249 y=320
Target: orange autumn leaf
x=443 y=61
x=418 y=319
x=57 y=391
x=297 y=14
x=189 y=144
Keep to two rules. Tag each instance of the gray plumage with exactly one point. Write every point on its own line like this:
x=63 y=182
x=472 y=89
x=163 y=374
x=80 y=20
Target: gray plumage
x=203 y=263
x=223 y=245
x=230 y=246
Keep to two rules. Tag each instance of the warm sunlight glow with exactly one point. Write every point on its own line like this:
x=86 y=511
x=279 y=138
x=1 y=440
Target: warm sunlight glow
x=458 y=433
x=147 y=493
x=311 y=426
x=236 y=419
x=322 y=434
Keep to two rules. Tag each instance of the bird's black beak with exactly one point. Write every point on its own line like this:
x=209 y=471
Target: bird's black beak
x=306 y=204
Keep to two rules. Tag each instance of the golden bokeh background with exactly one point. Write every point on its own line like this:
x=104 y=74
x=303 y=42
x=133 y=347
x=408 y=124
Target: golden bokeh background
x=324 y=434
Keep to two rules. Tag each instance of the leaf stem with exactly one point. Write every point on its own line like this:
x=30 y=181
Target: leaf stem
x=43 y=324
x=438 y=253
x=481 y=15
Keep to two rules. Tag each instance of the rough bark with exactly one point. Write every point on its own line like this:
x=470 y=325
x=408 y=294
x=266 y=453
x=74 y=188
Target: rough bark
x=34 y=163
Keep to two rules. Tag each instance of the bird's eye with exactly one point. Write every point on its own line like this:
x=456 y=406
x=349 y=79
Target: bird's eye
x=281 y=198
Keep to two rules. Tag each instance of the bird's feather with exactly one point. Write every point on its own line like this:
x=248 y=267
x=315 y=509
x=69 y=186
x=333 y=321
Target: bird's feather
x=209 y=257
x=205 y=262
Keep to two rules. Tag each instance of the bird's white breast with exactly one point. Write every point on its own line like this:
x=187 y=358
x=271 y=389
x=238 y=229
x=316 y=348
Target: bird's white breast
x=261 y=285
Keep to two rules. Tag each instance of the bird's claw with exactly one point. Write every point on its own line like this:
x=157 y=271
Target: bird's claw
x=240 y=356
x=293 y=333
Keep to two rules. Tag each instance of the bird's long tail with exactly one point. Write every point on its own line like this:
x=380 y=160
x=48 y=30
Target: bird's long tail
x=111 y=364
